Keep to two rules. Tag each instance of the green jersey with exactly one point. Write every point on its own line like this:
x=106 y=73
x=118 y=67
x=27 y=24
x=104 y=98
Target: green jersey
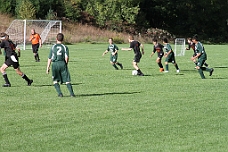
x=199 y=48
x=167 y=48
x=112 y=48
x=58 y=52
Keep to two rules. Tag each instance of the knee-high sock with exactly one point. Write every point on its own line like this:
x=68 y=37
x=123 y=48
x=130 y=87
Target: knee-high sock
x=160 y=65
x=6 y=78
x=69 y=87
x=57 y=88
x=24 y=76
x=201 y=73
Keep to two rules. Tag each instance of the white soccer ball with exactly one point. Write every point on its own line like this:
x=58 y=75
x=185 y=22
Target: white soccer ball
x=134 y=72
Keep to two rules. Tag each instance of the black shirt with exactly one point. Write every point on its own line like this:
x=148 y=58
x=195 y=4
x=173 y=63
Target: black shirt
x=135 y=45
x=7 y=45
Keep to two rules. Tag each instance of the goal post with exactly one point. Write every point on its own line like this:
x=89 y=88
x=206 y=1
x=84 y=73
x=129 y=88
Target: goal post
x=19 y=31
x=179 y=47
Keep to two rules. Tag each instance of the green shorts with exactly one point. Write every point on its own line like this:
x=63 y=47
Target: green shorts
x=170 y=58
x=113 y=58
x=60 y=72
x=200 y=62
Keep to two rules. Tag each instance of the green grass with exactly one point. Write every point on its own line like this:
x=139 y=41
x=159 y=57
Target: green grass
x=113 y=110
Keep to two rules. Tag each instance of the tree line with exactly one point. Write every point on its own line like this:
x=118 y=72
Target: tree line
x=182 y=18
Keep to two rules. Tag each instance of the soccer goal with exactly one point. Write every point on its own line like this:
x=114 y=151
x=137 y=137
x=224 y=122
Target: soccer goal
x=19 y=31
x=179 y=47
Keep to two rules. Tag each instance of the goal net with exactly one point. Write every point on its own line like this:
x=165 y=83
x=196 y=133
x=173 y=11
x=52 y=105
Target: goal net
x=179 y=47
x=19 y=31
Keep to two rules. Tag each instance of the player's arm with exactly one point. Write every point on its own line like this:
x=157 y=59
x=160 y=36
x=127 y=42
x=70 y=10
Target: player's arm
x=40 y=41
x=66 y=59
x=126 y=49
x=48 y=65
x=105 y=52
x=170 y=51
x=196 y=57
x=18 y=51
x=142 y=48
x=31 y=37
x=152 y=53
x=188 y=48
x=114 y=53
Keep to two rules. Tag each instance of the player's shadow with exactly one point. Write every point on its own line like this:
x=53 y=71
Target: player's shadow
x=220 y=67
x=108 y=93
x=48 y=85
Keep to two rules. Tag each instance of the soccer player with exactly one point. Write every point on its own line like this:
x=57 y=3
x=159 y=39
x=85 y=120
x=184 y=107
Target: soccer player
x=201 y=56
x=136 y=46
x=36 y=44
x=170 y=56
x=59 y=55
x=11 y=60
x=113 y=49
x=192 y=45
x=159 y=49
x=14 y=47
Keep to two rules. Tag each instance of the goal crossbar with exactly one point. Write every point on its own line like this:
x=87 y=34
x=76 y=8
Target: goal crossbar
x=20 y=30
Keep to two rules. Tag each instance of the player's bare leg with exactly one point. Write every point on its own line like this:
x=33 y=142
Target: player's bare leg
x=3 y=71
x=24 y=76
x=135 y=65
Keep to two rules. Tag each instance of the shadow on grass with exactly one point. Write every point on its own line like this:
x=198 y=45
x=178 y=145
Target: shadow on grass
x=220 y=67
x=48 y=85
x=217 y=78
x=108 y=93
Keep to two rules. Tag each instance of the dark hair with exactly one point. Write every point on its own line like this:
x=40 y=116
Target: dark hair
x=154 y=40
x=195 y=37
x=111 y=38
x=3 y=34
x=60 y=37
x=165 y=40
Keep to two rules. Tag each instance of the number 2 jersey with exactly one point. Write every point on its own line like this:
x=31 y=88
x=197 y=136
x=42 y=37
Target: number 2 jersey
x=58 y=52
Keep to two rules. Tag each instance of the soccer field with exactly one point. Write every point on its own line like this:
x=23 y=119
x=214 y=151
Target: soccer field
x=113 y=110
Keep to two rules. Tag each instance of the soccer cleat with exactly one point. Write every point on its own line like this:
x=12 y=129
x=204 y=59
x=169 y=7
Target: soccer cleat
x=140 y=74
x=72 y=95
x=166 y=71
x=30 y=82
x=212 y=70
x=6 y=85
x=121 y=66
x=178 y=71
x=161 y=69
x=60 y=95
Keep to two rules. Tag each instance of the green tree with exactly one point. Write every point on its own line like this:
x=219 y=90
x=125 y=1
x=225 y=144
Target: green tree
x=116 y=11
x=25 y=10
x=72 y=9
x=7 y=6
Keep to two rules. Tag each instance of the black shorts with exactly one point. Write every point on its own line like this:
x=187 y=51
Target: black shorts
x=160 y=54
x=137 y=58
x=35 y=47
x=12 y=60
